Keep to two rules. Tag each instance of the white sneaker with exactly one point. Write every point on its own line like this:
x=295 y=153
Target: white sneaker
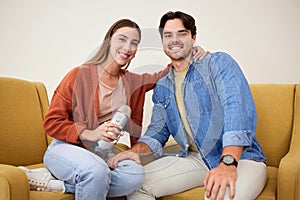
x=41 y=180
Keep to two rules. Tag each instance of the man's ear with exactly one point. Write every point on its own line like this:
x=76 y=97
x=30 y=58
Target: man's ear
x=194 y=39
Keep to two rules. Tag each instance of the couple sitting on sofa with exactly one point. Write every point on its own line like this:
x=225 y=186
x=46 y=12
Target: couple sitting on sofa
x=205 y=105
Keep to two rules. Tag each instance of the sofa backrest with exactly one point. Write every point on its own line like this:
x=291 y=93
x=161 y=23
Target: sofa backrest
x=22 y=107
x=275 y=111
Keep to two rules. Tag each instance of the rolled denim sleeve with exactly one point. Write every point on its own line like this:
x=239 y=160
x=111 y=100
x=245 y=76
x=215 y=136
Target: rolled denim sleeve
x=237 y=138
x=154 y=145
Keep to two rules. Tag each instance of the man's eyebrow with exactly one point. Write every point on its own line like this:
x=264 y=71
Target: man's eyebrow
x=167 y=32
x=180 y=31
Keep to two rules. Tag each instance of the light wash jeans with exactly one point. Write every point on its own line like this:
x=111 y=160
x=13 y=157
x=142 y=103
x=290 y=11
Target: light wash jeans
x=88 y=176
x=172 y=174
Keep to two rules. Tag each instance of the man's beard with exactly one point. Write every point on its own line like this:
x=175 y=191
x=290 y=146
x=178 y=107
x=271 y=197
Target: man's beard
x=177 y=57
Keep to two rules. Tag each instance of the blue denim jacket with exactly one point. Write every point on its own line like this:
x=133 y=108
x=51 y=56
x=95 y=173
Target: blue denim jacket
x=219 y=108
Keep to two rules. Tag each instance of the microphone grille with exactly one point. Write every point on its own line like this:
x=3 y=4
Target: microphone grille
x=125 y=110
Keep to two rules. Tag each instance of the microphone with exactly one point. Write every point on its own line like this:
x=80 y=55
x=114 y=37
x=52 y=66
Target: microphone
x=121 y=118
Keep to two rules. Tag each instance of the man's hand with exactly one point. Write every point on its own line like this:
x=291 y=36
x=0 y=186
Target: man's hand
x=217 y=180
x=112 y=162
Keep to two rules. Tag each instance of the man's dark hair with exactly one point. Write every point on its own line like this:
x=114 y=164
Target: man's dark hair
x=188 y=21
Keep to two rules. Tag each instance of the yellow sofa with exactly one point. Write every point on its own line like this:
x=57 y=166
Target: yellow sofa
x=23 y=140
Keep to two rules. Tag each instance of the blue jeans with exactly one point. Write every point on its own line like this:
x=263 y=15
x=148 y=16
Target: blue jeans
x=88 y=176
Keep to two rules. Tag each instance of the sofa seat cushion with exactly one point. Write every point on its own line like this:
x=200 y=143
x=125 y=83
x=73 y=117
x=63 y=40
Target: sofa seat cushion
x=269 y=192
x=192 y=194
x=38 y=195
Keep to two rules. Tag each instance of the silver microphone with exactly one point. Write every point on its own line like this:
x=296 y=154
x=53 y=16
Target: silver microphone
x=121 y=118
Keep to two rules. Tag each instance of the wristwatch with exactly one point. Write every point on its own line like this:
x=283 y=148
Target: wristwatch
x=229 y=160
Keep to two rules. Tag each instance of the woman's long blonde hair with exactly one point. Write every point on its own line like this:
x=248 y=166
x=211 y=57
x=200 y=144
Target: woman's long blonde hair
x=103 y=51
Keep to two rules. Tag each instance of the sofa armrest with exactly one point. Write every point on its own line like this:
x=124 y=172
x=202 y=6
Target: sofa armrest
x=288 y=180
x=13 y=183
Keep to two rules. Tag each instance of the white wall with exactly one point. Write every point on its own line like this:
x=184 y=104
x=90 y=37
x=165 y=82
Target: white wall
x=42 y=40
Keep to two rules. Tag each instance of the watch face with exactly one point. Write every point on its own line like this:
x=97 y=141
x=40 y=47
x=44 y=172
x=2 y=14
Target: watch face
x=228 y=159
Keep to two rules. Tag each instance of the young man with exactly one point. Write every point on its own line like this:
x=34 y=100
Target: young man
x=207 y=107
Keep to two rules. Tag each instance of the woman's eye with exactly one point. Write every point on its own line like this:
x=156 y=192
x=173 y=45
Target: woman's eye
x=135 y=43
x=122 y=39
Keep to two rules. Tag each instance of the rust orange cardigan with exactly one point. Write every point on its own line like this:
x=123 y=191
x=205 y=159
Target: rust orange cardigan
x=75 y=104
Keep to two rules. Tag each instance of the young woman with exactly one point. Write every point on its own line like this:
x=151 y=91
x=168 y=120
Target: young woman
x=79 y=114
